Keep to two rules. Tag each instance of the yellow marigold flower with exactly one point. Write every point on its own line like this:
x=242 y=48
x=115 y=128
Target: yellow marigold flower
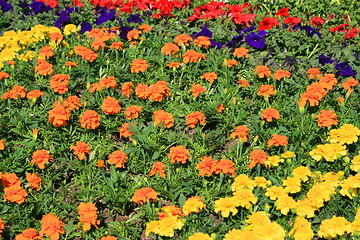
x=334 y=227
x=346 y=134
x=319 y=193
x=285 y=203
x=302 y=173
x=70 y=28
x=165 y=227
x=330 y=152
x=242 y=181
x=331 y=178
x=273 y=161
x=236 y=234
x=227 y=205
x=193 y=204
x=355 y=163
x=258 y=218
x=350 y=185
x=356 y=223
x=302 y=229
x=292 y=184
x=200 y=236
x=275 y=192
x=246 y=197
x=305 y=208
x=288 y=154
x=262 y=182
x=271 y=231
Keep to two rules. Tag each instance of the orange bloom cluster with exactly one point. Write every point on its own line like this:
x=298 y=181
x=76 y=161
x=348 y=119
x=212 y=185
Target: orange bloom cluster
x=278 y=140
x=192 y=56
x=154 y=92
x=34 y=181
x=170 y=49
x=118 y=158
x=257 y=156
x=158 y=168
x=170 y=210
x=46 y=52
x=4 y=75
x=40 y=157
x=133 y=35
x=266 y=91
x=202 y=41
x=34 y=94
x=241 y=52
x=59 y=83
x=2 y=144
x=106 y=82
x=132 y=111
x=208 y=166
x=28 y=234
x=15 y=92
x=126 y=89
x=80 y=149
x=61 y=112
x=117 y=45
x=144 y=194
x=348 y=84
x=280 y=74
x=196 y=117
x=327 y=118
x=179 y=154
x=108 y=238
x=90 y=119
x=241 y=132
x=139 y=65
x=71 y=64
x=269 y=114
x=100 y=36
x=314 y=73
x=85 y=53
x=243 y=83
x=173 y=65
x=220 y=108
x=328 y=81
x=146 y=28
x=182 y=39
x=2 y=226
x=13 y=191
x=262 y=71
x=72 y=103
x=51 y=226
x=88 y=215
x=314 y=93
x=162 y=118
x=43 y=67
x=210 y=76
x=110 y=105
x=230 y=62
x=196 y=89
x=125 y=131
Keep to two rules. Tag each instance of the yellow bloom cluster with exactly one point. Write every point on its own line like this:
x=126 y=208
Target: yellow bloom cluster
x=302 y=229
x=346 y=134
x=200 y=236
x=330 y=152
x=334 y=227
x=165 y=227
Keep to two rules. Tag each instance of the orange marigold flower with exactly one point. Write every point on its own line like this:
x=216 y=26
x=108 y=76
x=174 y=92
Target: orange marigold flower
x=241 y=132
x=88 y=215
x=15 y=92
x=2 y=226
x=144 y=194
x=266 y=91
x=4 y=75
x=34 y=94
x=59 y=83
x=207 y=166
x=193 y=204
x=125 y=131
x=158 y=168
x=28 y=234
x=133 y=111
x=230 y=62
x=225 y=166
x=72 y=103
x=193 y=56
x=182 y=39
x=80 y=149
x=43 y=67
x=108 y=238
x=262 y=71
x=46 y=52
x=278 y=140
x=90 y=119
x=173 y=65
x=257 y=156
x=170 y=210
x=85 y=53
x=71 y=64
x=170 y=49
x=220 y=108
x=146 y=28
x=351 y=82
x=40 y=157
x=269 y=114
x=15 y=194
x=110 y=105
x=327 y=118
x=314 y=73
x=51 y=226
x=202 y=41
x=34 y=181
x=210 y=76
x=196 y=90
x=243 y=83
x=2 y=144
x=157 y=91
x=139 y=65
x=133 y=34
x=117 y=45
x=279 y=74
x=10 y=179
x=100 y=164
x=314 y=93
x=241 y=52
x=328 y=81
x=126 y=89
x=163 y=118
x=11 y=62
x=179 y=154
x=118 y=158
x=107 y=82
x=196 y=117
x=141 y=90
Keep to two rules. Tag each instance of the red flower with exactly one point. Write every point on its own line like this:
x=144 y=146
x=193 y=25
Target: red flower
x=267 y=23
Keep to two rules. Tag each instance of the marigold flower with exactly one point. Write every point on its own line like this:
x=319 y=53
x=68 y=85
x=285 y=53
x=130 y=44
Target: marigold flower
x=10 y=179
x=2 y=145
x=28 y=234
x=117 y=45
x=43 y=67
x=351 y=82
x=330 y=152
x=196 y=90
x=157 y=91
x=262 y=71
x=80 y=149
x=72 y=103
x=108 y=238
x=90 y=119
x=34 y=94
x=179 y=154
x=279 y=74
x=225 y=166
x=51 y=226
x=226 y=206
x=193 y=56
x=71 y=64
x=133 y=34
x=274 y=192
x=141 y=90
x=163 y=118
x=164 y=227
x=34 y=181
x=314 y=73
x=273 y=161
x=355 y=163
x=132 y=111
x=170 y=210
x=193 y=204
x=241 y=132
x=210 y=76
x=118 y=158
x=59 y=83
x=257 y=156
x=196 y=117
x=85 y=53
x=126 y=89
x=46 y=52
x=4 y=75
x=40 y=157
x=243 y=83
x=266 y=91
x=144 y=194
x=328 y=81
x=15 y=194
x=245 y=197
x=270 y=114
x=302 y=229
x=334 y=227
x=285 y=203
x=158 y=168
x=170 y=49
x=146 y=28
x=230 y=62
x=110 y=105
x=207 y=166
x=346 y=134
x=182 y=39
x=327 y=118
x=220 y=108
x=202 y=41
x=15 y=92
x=139 y=65
x=277 y=140
x=107 y=82
x=241 y=52
x=173 y=65
x=88 y=215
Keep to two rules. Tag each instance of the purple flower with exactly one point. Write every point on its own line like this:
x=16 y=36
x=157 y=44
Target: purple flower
x=325 y=60
x=218 y=45
x=236 y=41
x=134 y=18
x=5 y=6
x=345 y=70
x=256 y=40
x=36 y=6
x=246 y=30
x=204 y=32
x=124 y=31
x=63 y=18
x=85 y=27
x=312 y=31
x=105 y=15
